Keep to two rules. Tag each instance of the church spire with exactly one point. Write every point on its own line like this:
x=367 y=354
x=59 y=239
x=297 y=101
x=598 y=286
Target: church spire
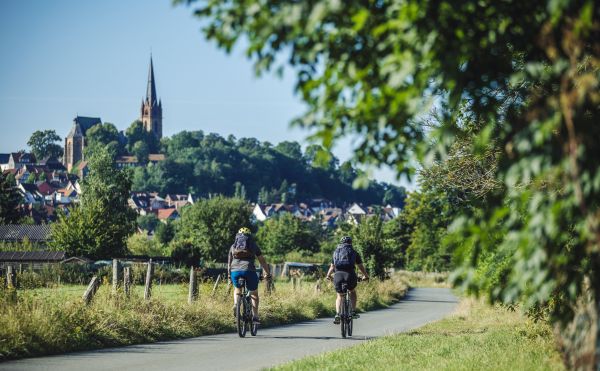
x=151 y=89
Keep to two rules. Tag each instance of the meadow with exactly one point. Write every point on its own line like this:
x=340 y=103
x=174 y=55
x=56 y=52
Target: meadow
x=54 y=320
x=476 y=336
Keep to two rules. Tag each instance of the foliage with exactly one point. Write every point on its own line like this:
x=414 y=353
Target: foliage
x=104 y=135
x=147 y=222
x=206 y=164
x=9 y=201
x=142 y=244
x=529 y=71
x=210 y=225
x=165 y=232
x=286 y=233
x=369 y=241
x=136 y=133
x=100 y=226
x=43 y=144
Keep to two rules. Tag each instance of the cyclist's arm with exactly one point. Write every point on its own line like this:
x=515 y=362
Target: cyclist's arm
x=229 y=263
x=264 y=265
x=330 y=271
x=362 y=269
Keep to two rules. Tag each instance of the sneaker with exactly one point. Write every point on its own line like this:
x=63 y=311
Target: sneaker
x=355 y=315
x=256 y=320
x=336 y=319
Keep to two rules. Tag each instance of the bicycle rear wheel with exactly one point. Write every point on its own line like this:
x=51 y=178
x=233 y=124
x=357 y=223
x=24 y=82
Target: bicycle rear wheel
x=350 y=323
x=240 y=311
x=343 y=315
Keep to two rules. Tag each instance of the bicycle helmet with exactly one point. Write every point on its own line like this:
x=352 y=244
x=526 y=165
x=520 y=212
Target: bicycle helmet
x=346 y=240
x=244 y=230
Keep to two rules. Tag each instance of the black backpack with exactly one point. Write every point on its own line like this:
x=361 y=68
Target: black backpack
x=344 y=257
x=241 y=247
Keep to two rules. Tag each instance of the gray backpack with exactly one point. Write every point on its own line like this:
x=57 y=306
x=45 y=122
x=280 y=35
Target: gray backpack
x=344 y=257
x=241 y=247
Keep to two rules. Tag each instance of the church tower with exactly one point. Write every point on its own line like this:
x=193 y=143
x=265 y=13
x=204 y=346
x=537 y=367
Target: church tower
x=152 y=107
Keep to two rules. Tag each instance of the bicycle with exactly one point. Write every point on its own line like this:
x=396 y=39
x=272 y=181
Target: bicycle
x=243 y=312
x=346 y=317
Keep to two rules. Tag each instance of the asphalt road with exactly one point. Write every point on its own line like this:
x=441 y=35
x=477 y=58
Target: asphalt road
x=271 y=347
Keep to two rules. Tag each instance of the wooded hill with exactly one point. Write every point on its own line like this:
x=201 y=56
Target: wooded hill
x=205 y=164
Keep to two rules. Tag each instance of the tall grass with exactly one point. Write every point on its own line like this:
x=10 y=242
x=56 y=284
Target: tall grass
x=53 y=320
x=476 y=337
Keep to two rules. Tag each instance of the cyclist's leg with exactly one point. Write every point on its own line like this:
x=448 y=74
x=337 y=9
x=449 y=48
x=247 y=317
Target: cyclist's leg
x=252 y=285
x=352 y=282
x=237 y=289
x=353 y=299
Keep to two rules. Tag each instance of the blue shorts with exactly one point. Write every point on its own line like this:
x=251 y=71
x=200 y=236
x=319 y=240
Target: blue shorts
x=250 y=276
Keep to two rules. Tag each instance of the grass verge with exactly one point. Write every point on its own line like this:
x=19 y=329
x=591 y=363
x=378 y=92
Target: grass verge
x=50 y=321
x=476 y=337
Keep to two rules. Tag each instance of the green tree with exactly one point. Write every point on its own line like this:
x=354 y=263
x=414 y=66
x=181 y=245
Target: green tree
x=45 y=143
x=9 y=201
x=210 y=226
x=165 y=232
x=286 y=233
x=137 y=133
x=103 y=135
x=528 y=70
x=141 y=151
x=100 y=226
x=142 y=244
x=368 y=240
x=147 y=222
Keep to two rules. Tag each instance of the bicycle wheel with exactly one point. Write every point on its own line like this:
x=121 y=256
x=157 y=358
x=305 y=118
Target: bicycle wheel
x=343 y=316
x=253 y=328
x=240 y=311
x=350 y=319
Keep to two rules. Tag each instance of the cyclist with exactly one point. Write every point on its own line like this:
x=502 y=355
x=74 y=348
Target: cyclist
x=240 y=264
x=345 y=258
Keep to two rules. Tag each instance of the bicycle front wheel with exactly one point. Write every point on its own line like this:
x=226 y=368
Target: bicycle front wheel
x=240 y=311
x=344 y=317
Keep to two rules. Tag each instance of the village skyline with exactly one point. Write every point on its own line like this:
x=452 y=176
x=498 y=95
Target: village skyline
x=103 y=74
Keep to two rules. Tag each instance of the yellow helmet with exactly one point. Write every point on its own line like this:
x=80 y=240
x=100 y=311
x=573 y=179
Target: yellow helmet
x=244 y=230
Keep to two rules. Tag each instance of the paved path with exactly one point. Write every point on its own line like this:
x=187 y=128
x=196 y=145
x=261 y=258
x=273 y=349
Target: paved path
x=271 y=347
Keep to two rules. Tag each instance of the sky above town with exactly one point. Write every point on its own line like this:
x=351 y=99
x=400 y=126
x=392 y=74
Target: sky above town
x=64 y=58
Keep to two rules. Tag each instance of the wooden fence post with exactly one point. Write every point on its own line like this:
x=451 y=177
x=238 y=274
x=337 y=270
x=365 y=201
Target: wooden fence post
x=148 y=288
x=193 y=289
x=89 y=293
x=115 y=275
x=126 y=280
x=10 y=278
x=318 y=286
x=216 y=284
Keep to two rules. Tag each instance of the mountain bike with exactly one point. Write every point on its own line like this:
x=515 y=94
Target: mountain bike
x=243 y=311
x=346 y=318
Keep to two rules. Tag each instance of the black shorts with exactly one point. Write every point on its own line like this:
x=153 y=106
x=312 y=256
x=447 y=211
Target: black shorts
x=344 y=277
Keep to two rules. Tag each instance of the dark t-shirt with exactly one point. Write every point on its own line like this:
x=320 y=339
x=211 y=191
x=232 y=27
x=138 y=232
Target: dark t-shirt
x=358 y=261
x=244 y=264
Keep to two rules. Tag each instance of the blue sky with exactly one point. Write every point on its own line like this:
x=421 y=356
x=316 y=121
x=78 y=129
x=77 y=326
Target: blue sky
x=65 y=58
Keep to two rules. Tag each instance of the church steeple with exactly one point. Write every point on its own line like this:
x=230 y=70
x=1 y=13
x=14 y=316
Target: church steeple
x=152 y=106
x=151 y=88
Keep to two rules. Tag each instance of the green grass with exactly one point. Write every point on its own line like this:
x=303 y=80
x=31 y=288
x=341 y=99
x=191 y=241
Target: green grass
x=476 y=337
x=53 y=320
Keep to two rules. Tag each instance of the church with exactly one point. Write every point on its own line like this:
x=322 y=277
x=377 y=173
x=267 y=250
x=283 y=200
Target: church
x=150 y=116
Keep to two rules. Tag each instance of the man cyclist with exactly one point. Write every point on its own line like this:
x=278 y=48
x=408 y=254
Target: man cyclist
x=345 y=258
x=240 y=264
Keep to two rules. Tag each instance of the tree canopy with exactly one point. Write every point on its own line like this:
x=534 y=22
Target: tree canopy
x=44 y=143
x=206 y=164
x=526 y=71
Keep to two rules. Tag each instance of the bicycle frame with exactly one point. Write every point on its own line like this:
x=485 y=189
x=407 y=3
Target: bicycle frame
x=244 y=316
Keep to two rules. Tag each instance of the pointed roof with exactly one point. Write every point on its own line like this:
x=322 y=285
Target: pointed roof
x=81 y=124
x=151 y=89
